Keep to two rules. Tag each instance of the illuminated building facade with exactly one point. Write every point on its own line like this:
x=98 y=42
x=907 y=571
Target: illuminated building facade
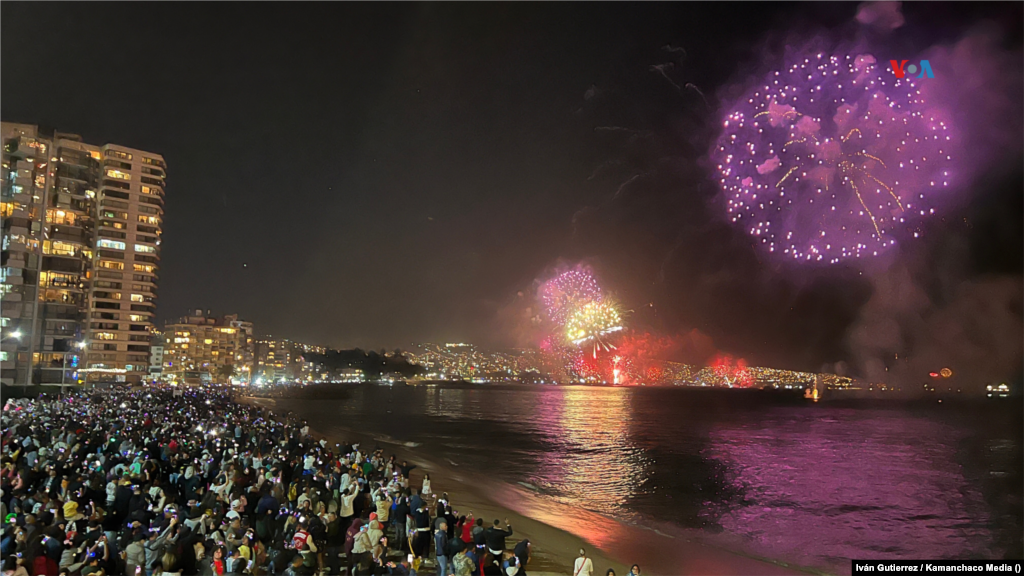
x=156 y=356
x=81 y=236
x=246 y=357
x=202 y=343
x=274 y=359
x=129 y=221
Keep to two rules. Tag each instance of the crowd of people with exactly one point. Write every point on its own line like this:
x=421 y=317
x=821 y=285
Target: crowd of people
x=172 y=482
x=190 y=484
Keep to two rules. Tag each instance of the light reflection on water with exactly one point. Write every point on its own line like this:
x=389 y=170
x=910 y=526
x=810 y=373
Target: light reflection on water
x=592 y=458
x=815 y=484
x=857 y=484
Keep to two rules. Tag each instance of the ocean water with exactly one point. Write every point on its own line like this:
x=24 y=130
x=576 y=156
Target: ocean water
x=810 y=484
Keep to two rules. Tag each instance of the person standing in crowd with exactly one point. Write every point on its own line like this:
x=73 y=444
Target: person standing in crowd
x=441 y=547
x=583 y=565
x=421 y=524
x=464 y=562
x=400 y=513
x=495 y=537
x=523 y=551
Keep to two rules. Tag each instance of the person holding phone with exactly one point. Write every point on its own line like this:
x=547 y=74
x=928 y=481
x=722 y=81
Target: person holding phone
x=135 y=553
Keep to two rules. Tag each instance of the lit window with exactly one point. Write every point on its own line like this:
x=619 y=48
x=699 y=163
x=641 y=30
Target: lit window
x=119 y=154
x=207 y=341
x=112 y=265
x=136 y=317
x=104 y=336
x=59 y=248
x=104 y=243
x=153 y=220
x=144 y=268
x=137 y=298
x=117 y=174
x=60 y=217
x=144 y=248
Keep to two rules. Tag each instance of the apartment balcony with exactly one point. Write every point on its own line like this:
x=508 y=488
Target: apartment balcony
x=77 y=203
x=21 y=195
x=152 y=200
x=23 y=179
x=75 y=188
x=17 y=310
x=64 y=297
x=154 y=190
x=13 y=229
x=26 y=147
x=11 y=298
x=78 y=174
x=69 y=234
x=15 y=260
x=118 y=164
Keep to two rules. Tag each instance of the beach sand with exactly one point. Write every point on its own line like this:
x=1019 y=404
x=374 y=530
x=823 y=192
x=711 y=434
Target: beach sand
x=557 y=531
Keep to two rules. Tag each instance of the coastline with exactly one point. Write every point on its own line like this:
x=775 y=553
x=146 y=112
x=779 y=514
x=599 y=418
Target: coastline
x=557 y=530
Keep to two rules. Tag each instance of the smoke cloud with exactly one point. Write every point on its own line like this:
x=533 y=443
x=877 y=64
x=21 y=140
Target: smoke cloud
x=926 y=313
x=883 y=16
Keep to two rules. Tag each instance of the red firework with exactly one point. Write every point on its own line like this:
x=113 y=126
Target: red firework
x=733 y=371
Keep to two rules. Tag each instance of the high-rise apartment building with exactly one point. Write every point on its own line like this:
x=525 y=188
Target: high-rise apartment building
x=81 y=245
x=128 y=226
x=274 y=359
x=156 y=355
x=201 y=343
x=247 y=356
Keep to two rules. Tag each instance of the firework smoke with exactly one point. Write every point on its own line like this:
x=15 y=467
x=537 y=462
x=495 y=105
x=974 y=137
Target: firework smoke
x=928 y=310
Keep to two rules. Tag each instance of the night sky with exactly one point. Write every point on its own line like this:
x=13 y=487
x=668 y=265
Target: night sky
x=380 y=174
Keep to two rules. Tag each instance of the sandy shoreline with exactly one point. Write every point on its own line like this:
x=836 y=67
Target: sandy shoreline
x=558 y=531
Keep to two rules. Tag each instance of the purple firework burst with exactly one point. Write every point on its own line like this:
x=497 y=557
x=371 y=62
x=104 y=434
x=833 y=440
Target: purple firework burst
x=563 y=294
x=833 y=158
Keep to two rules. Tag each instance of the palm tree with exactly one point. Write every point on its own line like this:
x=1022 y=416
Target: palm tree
x=226 y=371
